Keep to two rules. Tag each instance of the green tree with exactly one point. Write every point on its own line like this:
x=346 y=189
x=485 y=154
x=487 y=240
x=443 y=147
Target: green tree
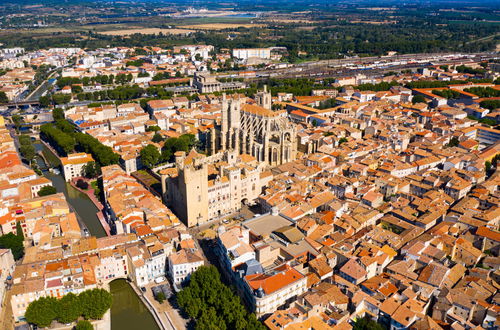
x=42 y=311
x=153 y=128
x=95 y=303
x=418 y=99
x=47 y=190
x=14 y=243
x=44 y=101
x=150 y=155
x=19 y=230
x=366 y=323
x=84 y=325
x=487 y=166
x=454 y=141
x=91 y=170
x=342 y=140
x=212 y=304
x=57 y=114
x=160 y=297
x=157 y=138
x=3 y=97
x=69 y=308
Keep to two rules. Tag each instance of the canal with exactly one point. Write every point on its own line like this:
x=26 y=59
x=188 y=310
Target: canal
x=128 y=311
x=81 y=203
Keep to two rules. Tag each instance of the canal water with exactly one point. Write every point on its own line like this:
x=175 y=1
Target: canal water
x=80 y=202
x=128 y=311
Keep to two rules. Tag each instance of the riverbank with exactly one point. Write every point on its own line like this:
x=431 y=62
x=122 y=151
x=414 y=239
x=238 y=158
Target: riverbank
x=79 y=202
x=162 y=321
x=91 y=195
x=129 y=311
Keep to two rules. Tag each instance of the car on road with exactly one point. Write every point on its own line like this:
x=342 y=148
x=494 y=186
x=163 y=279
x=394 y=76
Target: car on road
x=143 y=289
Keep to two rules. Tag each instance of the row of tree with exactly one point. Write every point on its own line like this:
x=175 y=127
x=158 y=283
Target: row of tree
x=213 y=305
x=490 y=104
x=90 y=304
x=64 y=143
x=118 y=93
x=54 y=99
x=120 y=78
x=26 y=148
x=63 y=137
x=446 y=93
x=483 y=92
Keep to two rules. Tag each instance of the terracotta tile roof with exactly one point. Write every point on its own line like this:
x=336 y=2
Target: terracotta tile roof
x=284 y=276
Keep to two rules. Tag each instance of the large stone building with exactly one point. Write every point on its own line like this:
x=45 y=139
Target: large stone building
x=203 y=188
x=255 y=130
x=206 y=83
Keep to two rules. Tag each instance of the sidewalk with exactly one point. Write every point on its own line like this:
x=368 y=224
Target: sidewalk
x=166 y=310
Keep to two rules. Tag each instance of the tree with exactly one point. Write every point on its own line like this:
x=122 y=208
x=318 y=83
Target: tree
x=95 y=303
x=150 y=155
x=14 y=243
x=160 y=297
x=69 y=308
x=418 y=99
x=153 y=128
x=44 y=101
x=212 y=304
x=47 y=190
x=91 y=170
x=342 y=140
x=84 y=325
x=19 y=230
x=57 y=114
x=82 y=184
x=487 y=166
x=454 y=141
x=3 y=97
x=42 y=311
x=157 y=138
x=366 y=323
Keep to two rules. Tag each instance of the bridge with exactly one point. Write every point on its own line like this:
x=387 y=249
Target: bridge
x=22 y=103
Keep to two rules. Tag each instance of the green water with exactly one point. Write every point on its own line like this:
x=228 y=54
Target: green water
x=80 y=202
x=128 y=312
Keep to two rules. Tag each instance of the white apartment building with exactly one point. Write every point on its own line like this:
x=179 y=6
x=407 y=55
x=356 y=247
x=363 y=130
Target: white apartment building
x=73 y=164
x=146 y=263
x=182 y=264
x=246 y=53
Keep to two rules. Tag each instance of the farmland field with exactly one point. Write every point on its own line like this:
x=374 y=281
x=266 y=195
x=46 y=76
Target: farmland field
x=219 y=26
x=127 y=32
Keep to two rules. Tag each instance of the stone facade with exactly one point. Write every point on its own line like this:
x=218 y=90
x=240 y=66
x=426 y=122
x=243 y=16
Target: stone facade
x=255 y=130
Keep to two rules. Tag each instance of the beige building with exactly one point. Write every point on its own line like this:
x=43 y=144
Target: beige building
x=203 y=188
x=74 y=163
x=7 y=266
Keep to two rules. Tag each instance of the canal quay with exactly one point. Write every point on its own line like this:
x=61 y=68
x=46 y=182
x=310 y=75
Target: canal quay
x=79 y=202
x=128 y=311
